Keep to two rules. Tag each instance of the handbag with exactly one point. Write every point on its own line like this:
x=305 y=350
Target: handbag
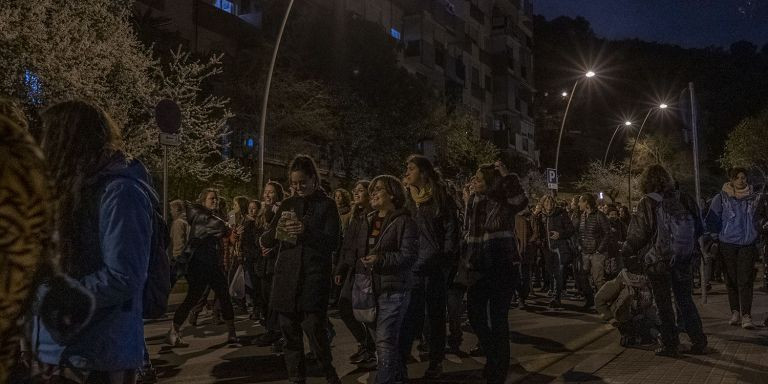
x=237 y=285
x=363 y=298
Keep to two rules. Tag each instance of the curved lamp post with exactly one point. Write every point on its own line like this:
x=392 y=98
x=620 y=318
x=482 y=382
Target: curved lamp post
x=587 y=75
x=632 y=152
x=267 y=84
x=607 y=149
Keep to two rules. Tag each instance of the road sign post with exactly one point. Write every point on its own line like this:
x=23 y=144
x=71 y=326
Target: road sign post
x=552 y=178
x=168 y=119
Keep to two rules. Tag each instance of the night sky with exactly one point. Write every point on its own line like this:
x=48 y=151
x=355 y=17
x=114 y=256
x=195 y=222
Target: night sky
x=689 y=23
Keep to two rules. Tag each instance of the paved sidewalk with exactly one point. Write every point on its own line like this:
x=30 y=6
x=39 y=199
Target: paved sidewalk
x=739 y=355
x=547 y=346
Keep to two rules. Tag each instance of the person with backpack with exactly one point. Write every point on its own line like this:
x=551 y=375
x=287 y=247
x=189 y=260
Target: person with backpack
x=595 y=240
x=735 y=219
x=662 y=236
x=354 y=247
x=306 y=231
x=554 y=229
x=106 y=226
x=200 y=263
x=437 y=219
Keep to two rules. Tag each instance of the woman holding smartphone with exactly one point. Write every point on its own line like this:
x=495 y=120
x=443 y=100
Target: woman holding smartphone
x=306 y=232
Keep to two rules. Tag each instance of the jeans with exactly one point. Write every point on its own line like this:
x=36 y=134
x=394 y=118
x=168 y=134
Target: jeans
x=677 y=280
x=430 y=292
x=313 y=324
x=739 y=261
x=388 y=332
x=556 y=271
x=491 y=295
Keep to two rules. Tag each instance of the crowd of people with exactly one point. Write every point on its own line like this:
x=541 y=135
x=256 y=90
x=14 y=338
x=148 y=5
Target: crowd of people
x=402 y=258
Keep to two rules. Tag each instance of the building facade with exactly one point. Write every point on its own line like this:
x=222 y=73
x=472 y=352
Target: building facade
x=476 y=53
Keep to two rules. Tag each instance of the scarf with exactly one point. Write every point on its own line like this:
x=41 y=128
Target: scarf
x=421 y=196
x=731 y=191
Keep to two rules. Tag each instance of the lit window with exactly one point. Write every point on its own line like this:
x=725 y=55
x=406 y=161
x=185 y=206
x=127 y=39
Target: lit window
x=395 y=33
x=226 y=6
x=33 y=86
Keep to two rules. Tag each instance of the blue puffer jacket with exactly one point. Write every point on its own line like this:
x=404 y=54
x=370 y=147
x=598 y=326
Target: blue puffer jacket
x=733 y=220
x=114 y=271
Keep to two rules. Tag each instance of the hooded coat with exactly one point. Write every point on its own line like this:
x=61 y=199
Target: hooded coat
x=735 y=216
x=116 y=231
x=303 y=271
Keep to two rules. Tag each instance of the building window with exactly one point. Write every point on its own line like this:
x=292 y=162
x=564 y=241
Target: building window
x=395 y=33
x=476 y=13
x=413 y=48
x=440 y=52
x=34 y=87
x=227 y=6
x=461 y=69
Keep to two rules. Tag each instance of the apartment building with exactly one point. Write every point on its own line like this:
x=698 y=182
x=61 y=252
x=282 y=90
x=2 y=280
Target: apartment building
x=477 y=53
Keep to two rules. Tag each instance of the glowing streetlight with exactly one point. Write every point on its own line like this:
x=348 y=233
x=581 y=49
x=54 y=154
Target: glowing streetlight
x=564 y=94
x=588 y=75
x=659 y=107
x=607 y=149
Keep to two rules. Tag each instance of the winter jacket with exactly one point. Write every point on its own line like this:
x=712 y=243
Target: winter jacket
x=556 y=221
x=595 y=235
x=735 y=220
x=623 y=297
x=179 y=234
x=115 y=238
x=642 y=227
x=302 y=276
x=25 y=231
x=491 y=246
x=353 y=248
x=206 y=234
x=265 y=265
x=438 y=235
x=249 y=243
x=397 y=248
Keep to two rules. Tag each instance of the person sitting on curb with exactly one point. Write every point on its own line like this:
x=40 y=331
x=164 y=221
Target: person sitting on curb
x=626 y=303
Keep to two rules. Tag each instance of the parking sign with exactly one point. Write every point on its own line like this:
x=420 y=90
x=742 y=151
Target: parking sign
x=551 y=178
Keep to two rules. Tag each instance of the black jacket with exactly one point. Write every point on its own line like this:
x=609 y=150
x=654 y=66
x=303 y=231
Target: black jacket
x=265 y=263
x=352 y=248
x=205 y=233
x=438 y=236
x=557 y=221
x=595 y=234
x=303 y=271
x=398 y=248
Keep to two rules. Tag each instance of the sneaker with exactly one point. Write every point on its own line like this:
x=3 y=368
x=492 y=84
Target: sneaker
x=522 y=305
x=192 y=318
x=746 y=322
x=146 y=376
x=363 y=357
x=267 y=339
x=434 y=371
x=667 y=352
x=554 y=304
x=367 y=361
x=735 y=318
x=476 y=351
x=173 y=338
x=356 y=356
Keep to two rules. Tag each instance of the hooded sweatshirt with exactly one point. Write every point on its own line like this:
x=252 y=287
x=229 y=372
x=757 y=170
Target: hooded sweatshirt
x=732 y=215
x=117 y=233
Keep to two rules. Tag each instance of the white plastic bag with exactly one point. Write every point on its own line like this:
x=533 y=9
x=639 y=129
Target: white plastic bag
x=237 y=285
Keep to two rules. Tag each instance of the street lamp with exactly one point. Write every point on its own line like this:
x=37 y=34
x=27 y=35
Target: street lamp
x=588 y=75
x=607 y=149
x=267 y=84
x=660 y=107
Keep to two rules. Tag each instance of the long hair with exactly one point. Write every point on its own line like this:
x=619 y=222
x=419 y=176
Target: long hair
x=279 y=192
x=305 y=164
x=433 y=179
x=366 y=185
x=13 y=112
x=655 y=179
x=79 y=139
x=492 y=178
x=204 y=194
x=346 y=197
x=241 y=202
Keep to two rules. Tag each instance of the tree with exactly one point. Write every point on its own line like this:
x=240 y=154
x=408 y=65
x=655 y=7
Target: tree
x=610 y=179
x=55 y=50
x=535 y=184
x=747 y=143
x=460 y=151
